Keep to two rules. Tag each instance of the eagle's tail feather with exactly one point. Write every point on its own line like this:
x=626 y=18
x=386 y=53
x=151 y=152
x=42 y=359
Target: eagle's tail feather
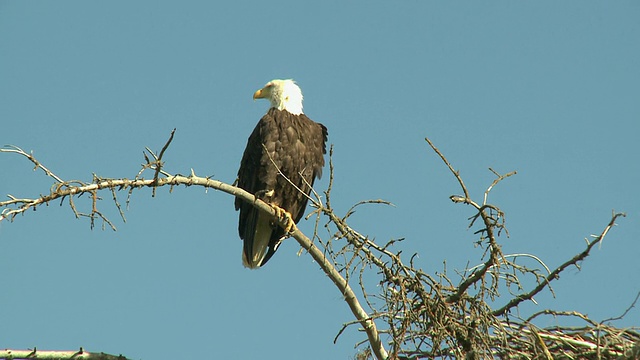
x=255 y=250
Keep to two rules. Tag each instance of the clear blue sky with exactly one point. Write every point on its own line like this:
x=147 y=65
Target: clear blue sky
x=550 y=89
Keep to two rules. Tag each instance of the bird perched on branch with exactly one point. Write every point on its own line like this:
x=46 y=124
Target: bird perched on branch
x=284 y=155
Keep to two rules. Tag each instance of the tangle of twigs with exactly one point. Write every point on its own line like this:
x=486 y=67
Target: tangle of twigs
x=411 y=314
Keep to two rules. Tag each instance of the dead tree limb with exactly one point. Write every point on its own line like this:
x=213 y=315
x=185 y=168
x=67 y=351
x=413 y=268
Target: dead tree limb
x=65 y=189
x=413 y=314
x=57 y=355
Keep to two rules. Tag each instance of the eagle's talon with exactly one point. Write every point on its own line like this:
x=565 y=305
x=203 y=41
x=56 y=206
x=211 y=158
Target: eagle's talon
x=285 y=217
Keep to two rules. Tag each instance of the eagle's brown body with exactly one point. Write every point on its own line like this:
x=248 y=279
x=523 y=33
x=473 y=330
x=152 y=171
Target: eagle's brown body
x=284 y=154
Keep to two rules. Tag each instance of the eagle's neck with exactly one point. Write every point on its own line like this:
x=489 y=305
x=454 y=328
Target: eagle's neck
x=293 y=109
x=289 y=100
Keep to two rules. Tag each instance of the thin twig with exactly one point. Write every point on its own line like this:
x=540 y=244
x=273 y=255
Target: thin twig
x=17 y=150
x=158 y=161
x=554 y=274
x=453 y=171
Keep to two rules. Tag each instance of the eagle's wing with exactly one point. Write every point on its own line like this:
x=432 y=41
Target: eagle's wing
x=254 y=178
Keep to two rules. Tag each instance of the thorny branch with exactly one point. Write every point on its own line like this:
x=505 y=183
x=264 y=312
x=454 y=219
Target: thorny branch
x=413 y=314
x=16 y=206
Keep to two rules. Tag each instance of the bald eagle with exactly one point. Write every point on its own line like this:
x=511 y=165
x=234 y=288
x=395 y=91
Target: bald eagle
x=284 y=155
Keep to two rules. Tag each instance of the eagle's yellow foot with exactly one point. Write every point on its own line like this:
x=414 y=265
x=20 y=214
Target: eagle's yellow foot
x=285 y=217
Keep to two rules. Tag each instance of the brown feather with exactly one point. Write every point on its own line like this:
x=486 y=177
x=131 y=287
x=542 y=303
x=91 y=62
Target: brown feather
x=294 y=144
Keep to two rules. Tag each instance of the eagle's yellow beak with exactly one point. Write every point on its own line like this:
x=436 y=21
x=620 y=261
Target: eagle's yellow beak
x=261 y=94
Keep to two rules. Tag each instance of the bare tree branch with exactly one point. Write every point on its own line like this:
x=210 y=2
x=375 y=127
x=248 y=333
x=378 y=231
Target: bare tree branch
x=17 y=150
x=554 y=274
x=413 y=314
x=68 y=189
x=57 y=355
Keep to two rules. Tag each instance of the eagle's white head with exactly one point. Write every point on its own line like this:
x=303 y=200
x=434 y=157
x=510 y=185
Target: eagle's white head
x=283 y=95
